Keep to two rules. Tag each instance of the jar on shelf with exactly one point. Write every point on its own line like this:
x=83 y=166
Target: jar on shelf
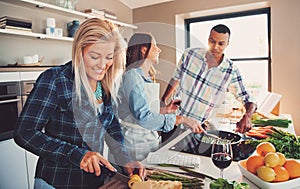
x=72 y=27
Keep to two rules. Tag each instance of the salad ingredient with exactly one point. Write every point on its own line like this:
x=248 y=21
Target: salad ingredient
x=284 y=142
x=221 y=183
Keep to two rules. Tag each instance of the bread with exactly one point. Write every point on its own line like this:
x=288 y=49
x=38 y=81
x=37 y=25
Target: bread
x=162 y=184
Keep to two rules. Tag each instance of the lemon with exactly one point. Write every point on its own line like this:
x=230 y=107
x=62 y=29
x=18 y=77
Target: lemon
x=282 y=158
x=272 y=159
x=255 y=116
x=133 y=179
x=266 y=173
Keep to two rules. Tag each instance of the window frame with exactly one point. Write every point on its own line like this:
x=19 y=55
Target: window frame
x=267 y=11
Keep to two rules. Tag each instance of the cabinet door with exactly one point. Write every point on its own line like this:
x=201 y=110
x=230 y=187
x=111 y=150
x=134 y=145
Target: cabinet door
x=31 y=165
x=13 y=172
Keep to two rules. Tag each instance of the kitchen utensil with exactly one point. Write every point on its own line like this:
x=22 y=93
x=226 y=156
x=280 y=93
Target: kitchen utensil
x=211 y=135
x=115 y=174
x=207 y=138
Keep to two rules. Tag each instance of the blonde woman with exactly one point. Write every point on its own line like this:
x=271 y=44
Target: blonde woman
x=72 y=104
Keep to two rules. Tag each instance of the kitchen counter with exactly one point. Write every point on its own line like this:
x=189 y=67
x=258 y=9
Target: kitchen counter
x=23 y=68
x=206 y=165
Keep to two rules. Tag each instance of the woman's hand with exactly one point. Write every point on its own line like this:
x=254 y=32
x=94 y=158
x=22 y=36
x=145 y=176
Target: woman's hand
x=135 y=166
x=193 y=124
x=91 y=163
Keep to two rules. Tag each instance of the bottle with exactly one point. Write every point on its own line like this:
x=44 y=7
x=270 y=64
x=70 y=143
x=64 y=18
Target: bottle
x=72 y=27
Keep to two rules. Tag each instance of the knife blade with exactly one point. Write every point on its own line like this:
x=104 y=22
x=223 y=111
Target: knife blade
x=114 y=174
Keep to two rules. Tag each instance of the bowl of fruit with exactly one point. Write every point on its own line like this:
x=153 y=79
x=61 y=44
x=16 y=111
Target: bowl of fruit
x=270 y=169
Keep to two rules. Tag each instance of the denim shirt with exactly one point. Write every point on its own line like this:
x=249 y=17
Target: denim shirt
x=69 y=131
x=133 y=102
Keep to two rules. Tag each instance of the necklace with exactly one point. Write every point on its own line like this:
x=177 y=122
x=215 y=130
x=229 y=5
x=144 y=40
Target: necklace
x=98 y=92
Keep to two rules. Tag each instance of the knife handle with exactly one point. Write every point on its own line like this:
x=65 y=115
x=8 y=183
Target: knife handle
x=106 y=171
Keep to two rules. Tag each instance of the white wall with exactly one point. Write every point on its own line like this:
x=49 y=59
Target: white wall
x=285 y=42
x=13 y=48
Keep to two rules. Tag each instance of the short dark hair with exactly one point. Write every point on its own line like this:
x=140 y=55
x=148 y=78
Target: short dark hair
x=221 y=28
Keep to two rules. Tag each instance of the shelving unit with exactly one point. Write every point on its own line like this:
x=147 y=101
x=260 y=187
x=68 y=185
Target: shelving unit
x=33 y=35
x=55 y=9
x=60 y=10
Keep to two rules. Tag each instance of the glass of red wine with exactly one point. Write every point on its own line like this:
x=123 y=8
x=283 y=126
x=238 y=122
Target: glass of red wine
x=177 y=99
x=221 y=154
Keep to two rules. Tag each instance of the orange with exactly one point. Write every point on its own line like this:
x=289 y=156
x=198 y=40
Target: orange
x=253 y=162
x=281 y=174
x=266 y=173
x=264 y=148
x=293 y=167
x=271 y=159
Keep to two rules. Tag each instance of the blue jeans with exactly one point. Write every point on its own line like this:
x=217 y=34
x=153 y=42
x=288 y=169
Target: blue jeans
x=41 y=184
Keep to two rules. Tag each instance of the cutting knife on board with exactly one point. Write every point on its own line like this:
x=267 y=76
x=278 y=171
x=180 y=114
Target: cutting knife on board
x=114 y=174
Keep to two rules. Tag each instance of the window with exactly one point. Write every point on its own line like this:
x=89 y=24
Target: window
x=248 y=46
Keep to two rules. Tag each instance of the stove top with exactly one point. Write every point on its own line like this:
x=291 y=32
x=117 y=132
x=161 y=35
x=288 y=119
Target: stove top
x=192 y=144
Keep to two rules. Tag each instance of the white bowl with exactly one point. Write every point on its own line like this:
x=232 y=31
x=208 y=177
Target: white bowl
x=294 y=183
x=27 y=60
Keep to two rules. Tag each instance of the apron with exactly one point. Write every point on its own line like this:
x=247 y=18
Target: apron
x=138 y=140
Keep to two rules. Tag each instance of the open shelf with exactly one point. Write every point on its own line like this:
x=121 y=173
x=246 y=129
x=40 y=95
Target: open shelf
x=33 y=35
x=60 y=10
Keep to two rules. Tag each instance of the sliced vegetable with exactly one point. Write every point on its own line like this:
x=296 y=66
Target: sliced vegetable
x=133 y=179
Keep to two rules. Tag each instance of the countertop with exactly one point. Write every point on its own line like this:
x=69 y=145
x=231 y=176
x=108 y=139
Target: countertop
x=206 y=164
x=23 y=68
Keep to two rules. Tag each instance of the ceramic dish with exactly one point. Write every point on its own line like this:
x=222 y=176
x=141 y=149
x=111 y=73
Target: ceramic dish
x=294 y=183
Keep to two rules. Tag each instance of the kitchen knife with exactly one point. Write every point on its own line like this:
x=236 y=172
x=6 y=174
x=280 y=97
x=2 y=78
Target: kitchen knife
x=115 y=174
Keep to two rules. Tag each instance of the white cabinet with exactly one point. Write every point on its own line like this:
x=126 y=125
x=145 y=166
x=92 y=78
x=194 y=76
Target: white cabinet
x=31 y=161
x=13 y=172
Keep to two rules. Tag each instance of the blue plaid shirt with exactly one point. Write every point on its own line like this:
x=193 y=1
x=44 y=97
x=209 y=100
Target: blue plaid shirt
x=69 y=131
x=202 y=88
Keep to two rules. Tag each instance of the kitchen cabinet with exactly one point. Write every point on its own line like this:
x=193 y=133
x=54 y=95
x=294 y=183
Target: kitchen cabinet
x=17 y=164
x=31 y=161
x=13 y=164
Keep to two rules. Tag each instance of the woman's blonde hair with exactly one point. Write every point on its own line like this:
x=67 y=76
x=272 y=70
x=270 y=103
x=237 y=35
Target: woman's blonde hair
x=93 y=31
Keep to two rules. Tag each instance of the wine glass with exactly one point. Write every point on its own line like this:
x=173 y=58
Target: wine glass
x=221 y=154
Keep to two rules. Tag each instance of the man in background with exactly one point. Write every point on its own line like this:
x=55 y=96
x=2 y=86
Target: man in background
x=204 y=75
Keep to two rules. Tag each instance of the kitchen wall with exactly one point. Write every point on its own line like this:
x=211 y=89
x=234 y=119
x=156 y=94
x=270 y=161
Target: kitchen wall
x=285 y=42
x=13 y=48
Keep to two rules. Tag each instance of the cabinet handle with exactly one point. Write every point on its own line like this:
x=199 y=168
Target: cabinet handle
x=9 y=101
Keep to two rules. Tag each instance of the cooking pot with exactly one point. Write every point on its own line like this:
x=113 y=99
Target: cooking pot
x=239 y=148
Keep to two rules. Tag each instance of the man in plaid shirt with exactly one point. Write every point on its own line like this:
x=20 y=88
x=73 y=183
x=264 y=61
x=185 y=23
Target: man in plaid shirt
x=204 y=75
